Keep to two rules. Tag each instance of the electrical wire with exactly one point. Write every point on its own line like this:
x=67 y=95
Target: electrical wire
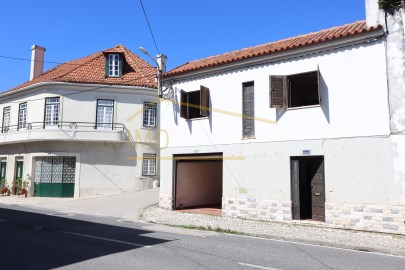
x=150 y=28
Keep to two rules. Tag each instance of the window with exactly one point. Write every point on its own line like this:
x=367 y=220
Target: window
x=149 y=164
x=113 y=65
x=149 y=114
x=51 y=112
x=195 y=104
x=248 y=110
x=296 y=90
x=105 y=114
x=6 y=119
x=22 y=116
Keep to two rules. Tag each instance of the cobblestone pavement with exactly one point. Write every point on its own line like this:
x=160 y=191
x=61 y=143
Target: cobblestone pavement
x=290 y=231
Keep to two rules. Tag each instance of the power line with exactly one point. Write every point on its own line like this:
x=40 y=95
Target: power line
x=150 y=28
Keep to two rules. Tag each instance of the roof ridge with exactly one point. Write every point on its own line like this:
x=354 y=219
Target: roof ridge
x=307 y=39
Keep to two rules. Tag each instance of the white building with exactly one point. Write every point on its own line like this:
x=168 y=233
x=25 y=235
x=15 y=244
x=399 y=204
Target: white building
x=298 y=129
x=86 y=127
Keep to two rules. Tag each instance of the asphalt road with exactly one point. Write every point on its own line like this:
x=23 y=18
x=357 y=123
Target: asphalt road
x=42 y=239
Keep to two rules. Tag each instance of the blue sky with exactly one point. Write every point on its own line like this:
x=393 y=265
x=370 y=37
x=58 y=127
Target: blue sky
x=184 y=30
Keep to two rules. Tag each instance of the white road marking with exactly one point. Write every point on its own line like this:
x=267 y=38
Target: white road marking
x=2 y=220
x=257 y=266
x=106 y=239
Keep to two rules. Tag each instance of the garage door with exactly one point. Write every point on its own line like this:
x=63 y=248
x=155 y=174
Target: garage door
x=54 y=176
x=198 y=181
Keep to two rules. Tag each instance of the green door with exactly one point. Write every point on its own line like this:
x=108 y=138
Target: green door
x=3 y=166
x=18 y=173
x=54 y=176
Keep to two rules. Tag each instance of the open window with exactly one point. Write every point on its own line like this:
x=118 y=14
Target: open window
x=297 y=90
x=195 y=104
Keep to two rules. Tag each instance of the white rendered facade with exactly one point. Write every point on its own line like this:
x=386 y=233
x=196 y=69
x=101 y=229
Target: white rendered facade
x=349 y=129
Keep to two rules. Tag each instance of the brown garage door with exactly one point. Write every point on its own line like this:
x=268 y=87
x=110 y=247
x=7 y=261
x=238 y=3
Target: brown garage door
x=198 y=181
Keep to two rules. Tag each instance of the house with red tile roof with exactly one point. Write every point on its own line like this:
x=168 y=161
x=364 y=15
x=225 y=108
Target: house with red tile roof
x=304 y=129
x=83 y=128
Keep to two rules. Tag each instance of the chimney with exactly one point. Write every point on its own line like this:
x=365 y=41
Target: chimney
x=37 y=61
x=374 y=16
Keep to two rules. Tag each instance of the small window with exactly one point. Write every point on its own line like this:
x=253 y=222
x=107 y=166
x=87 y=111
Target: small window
x=113 y=65
x=296 y=90
x=22 y=116
x=248 y=110
x=6 y=119
x=149 y=114
x=51 y=112
x=105 y=114
x=195 y=104
x=149 y=165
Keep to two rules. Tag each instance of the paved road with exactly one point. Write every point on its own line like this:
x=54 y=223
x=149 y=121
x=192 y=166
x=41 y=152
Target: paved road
x=43 y=240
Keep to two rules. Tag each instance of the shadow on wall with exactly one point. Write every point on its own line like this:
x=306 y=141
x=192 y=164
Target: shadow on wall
x=47 y=242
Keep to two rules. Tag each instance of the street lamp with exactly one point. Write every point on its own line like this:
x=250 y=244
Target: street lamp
x=160 y=66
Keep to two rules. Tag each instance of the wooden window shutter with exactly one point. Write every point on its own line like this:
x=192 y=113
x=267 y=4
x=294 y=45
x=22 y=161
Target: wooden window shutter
x=183 y=104
x=106 y=66
x=204 y=101
x=120 y=64
x=319 y=86
x=278 y=92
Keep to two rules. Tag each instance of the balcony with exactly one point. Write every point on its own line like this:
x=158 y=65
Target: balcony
x=64 y=131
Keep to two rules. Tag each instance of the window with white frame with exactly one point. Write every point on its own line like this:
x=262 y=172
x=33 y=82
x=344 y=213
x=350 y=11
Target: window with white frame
x=248 y=110
x=149 y=164
x=114 y=65
x=22 y=116
x=105 y=114
x=149 y=114
x=6 y=119
x=51 y=112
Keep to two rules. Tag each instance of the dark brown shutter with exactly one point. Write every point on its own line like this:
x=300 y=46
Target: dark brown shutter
x=278 y=92
x=204 y=101
x=183 y=104
x=319 y=87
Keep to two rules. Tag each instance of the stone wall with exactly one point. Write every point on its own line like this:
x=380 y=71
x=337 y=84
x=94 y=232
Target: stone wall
x=380 y=218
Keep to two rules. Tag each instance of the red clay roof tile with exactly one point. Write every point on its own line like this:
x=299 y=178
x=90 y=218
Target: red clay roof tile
x=91 y=70
x=273 y=47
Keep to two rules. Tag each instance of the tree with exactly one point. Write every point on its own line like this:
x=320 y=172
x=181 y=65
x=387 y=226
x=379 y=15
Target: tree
x=390 y=6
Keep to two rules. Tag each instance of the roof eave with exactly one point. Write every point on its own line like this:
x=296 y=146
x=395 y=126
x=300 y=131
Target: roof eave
x=277 y=56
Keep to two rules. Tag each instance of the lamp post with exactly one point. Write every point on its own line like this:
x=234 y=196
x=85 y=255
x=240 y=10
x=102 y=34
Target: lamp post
x=160 y=66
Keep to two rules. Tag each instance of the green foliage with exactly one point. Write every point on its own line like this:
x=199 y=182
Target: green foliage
x=3 y=183
x=390 y=6
x=18 y=183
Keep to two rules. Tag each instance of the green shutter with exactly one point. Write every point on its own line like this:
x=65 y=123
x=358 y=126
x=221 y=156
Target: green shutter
x=120 y=65
x=106 y=65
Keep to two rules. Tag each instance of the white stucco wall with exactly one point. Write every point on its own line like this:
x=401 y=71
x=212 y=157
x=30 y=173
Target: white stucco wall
x=350 y=129
x=110 y=161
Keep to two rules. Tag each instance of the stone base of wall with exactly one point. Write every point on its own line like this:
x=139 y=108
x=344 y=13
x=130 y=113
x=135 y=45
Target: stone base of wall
x=379 y=218
x=257 y=209
x=166 y=201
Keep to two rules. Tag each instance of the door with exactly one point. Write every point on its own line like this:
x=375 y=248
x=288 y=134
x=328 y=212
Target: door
x=318 y=191
x=295 y=189
x=54 y=176
x=18 y=174
x=198 y=181
x=308 y=188
x=3 y=166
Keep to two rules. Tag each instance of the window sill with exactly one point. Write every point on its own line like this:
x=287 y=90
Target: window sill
x=197 y=118
x=303 y=107
x=148 y=128
x=248 y=138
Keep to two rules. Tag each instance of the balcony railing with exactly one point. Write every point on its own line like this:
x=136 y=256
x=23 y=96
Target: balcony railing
x=77 y=130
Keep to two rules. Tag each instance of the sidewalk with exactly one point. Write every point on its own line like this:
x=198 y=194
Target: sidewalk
x=290 y=231
x=128 y=206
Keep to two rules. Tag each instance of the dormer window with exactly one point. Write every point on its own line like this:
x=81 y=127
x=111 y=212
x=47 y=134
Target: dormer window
x=113 y=65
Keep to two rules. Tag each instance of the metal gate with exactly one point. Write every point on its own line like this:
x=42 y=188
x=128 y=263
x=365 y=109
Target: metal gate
x=55 y=176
